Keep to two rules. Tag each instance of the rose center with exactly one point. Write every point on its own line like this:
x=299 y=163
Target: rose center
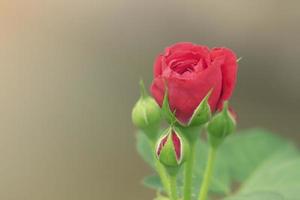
x=184 y=66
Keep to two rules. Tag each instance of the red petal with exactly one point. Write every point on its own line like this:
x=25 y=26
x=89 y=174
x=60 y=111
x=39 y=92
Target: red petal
x=186 y=46
x=177 y=145
x=162 y=144
x=158 y=66
x=185 y=95
x=229 y=71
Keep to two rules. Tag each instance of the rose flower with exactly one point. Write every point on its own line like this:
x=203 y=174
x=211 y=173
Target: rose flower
x=189 y=72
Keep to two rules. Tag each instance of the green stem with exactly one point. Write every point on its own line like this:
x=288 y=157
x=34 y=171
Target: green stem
x=173 y=184
x=161 y=170
x=163 y=176
x=207 y=173
x=188 y=173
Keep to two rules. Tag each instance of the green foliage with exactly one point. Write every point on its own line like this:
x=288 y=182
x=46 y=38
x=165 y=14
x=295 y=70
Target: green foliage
x=258 y=196
x=144 y=148
x=250 y=165
x=160 y=197
x=153 y=182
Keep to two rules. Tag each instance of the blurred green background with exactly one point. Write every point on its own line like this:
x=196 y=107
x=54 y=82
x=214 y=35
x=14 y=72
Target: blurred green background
x=68 y=80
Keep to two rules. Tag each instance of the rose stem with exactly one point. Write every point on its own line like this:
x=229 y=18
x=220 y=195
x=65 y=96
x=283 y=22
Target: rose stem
x=173 y=184
x=207 y=173
x=163 y=176
x=188 y=173
x=160 y=169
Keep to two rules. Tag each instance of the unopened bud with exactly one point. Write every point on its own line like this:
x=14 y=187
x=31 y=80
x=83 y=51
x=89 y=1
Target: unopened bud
x=146 y=112
x=171 y=148
x=221 y=125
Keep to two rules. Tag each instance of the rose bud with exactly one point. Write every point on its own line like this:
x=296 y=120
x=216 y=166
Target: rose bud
x=146 y=113
x=187 y=72
x=221 y=125
x=171 y=148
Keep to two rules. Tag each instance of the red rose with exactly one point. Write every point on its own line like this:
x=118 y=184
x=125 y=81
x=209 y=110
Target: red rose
x=190 y=71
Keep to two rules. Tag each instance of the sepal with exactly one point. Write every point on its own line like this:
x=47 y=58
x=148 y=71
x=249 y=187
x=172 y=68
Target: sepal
x=202 y=113
x=166 y=111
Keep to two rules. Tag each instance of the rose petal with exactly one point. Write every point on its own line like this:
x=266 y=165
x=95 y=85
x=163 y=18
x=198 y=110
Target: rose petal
x=177 y=145
x=229 y=71
x=157 y=69
x=185 y=95
x=162 y=144
x=186 y=46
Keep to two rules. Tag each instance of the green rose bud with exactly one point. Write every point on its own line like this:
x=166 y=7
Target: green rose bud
x=221 y=125
x=146 y=113
x=172 y=149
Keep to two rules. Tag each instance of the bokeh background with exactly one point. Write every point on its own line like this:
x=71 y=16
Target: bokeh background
x=68 y=80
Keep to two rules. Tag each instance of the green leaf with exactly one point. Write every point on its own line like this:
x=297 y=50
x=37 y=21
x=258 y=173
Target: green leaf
x=258 y=196
x=261 y=161
x=252 y=165
x=246 y=151
x=159 y=197
x=153 y=182
x=282 y=176
x=144 y=148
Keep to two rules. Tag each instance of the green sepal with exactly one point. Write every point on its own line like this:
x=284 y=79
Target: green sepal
x=146 y=113
x=221 y=125
x=202 y=113
x=166 y=111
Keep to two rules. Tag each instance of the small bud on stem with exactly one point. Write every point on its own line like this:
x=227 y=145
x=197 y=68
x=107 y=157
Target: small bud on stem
x=171 y=149
x=221 y=125
x=146 y=113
